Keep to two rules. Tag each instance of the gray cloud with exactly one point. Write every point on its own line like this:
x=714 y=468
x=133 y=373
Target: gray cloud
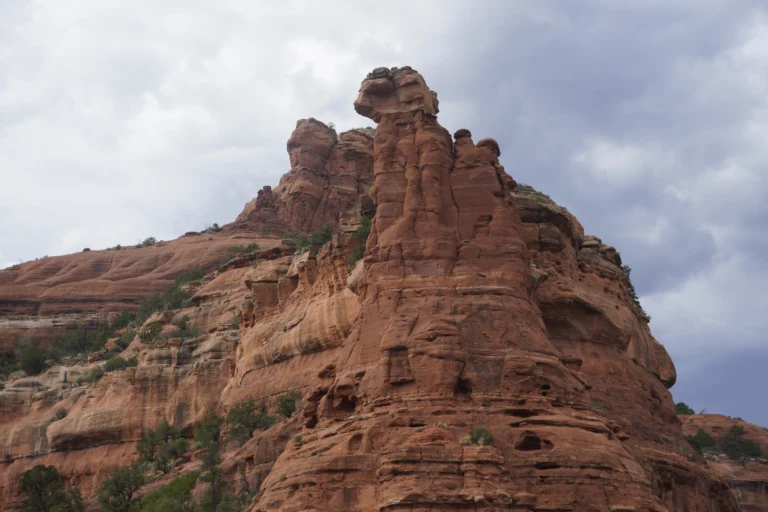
x=647 y=119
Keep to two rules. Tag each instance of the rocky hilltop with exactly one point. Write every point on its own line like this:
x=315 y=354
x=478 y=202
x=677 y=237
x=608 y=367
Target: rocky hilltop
x=454 y=342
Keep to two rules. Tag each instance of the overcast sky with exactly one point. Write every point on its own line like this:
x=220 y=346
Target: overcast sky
x=648 y=119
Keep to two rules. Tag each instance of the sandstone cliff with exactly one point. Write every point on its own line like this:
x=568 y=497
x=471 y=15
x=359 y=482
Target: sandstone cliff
x=748 y=477
x=484 y=354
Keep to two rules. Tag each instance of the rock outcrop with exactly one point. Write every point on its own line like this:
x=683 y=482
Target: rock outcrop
x=747 y=478
x=484 y=354
x=329 y=174
x=44 y=298
x=451 y=338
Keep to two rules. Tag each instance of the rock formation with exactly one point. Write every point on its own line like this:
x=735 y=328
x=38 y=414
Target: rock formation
x=451 y=337
x=483 y=355
x=329 y=174
x=748 y=478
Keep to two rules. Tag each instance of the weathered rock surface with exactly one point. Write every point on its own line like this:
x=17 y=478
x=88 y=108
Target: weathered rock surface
x=329 y=175
x=451 y=337
x=748 y=479
x=44 y=298
x=479 y=304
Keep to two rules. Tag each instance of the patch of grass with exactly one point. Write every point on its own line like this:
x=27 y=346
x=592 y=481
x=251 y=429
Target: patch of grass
x=481 y=436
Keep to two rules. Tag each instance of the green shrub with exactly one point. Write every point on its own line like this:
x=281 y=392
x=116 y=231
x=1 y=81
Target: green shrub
x=300 y=242
x=133 y=362
x=682 y=408
x=246 y=417
x=80 y=341
x=362 y=233
x=214 y=228
x=44 y=490
x=33 y=359
x=627 y=270
x=122 y=320
x=736 y=447
x=151 y=304
x=92 y=376
x=181 y=323
x=208 y=437
x=700 y=441
x=356 y=255
x=87 y=249
x=286 y=404
x=162 y=446
x=173 y=298
x=126 y=338
x=360 y=236
x=193 y=274
x=184 y=329
x=60 y=414
x=321 y=236
x=239 y=249
x=174 y=497
x=115 y=363
x=481 y=436
x=118 y=492
x=149 y=332
x=8 y=365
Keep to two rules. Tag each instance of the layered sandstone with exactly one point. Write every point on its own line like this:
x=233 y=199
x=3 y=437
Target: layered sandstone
x=43 y=298
x=748 y=478
x=463 y=325
x=328 y=176
x=479 y=304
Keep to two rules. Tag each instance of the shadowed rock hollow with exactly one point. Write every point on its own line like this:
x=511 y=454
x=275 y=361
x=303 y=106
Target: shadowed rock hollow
x=483 y=355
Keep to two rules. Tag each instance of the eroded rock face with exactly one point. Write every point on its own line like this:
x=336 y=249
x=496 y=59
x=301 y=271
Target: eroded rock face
x=451 y=335
x=479 y=304
x=749 y=478
x=329 y=174
x=41 y=299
